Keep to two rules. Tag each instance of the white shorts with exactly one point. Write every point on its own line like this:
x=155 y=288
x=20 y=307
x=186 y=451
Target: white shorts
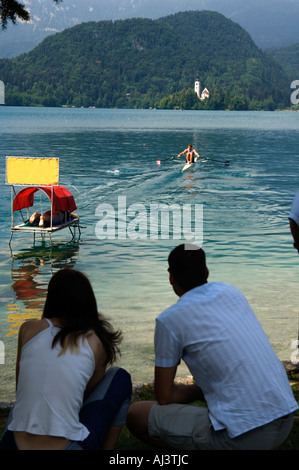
x=188 y=427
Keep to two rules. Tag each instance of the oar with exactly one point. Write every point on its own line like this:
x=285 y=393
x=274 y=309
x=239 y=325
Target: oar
x=227 y=162
x=164 y=160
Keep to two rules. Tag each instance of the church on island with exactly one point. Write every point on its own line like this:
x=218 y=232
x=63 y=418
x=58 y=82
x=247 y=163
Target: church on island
x=202 y=95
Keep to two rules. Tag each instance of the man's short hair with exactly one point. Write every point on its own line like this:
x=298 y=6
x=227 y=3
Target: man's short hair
x=187 y=264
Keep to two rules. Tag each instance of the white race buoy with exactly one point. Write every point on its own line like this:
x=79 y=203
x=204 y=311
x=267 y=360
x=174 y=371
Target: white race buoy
x=158 y=162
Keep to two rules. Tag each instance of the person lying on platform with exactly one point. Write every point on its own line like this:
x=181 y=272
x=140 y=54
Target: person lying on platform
x=44 y=220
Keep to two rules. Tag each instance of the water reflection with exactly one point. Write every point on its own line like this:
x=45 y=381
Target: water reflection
x=31 y=271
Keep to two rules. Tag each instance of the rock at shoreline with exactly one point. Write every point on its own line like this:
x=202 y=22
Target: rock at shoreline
x=290 y=366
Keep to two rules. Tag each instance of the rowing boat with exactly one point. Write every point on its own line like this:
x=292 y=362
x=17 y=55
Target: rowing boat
x=187 y=166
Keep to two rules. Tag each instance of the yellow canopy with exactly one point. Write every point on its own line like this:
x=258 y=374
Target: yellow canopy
x=32 y=171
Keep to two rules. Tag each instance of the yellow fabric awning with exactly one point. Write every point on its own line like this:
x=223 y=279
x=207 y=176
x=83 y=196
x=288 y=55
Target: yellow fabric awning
x=32 y=171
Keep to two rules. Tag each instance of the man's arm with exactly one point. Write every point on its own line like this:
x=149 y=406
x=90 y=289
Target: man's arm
x=182 y=153
x=166 y=391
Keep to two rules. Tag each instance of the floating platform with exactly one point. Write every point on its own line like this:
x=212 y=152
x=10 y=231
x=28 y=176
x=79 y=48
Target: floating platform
x=39 y=174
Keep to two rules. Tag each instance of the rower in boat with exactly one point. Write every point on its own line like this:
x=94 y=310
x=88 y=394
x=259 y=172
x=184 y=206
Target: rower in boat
x=190 y=152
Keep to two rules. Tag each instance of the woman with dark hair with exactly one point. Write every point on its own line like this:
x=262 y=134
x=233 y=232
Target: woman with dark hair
x=66 y=397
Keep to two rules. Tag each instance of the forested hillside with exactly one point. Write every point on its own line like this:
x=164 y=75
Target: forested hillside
x=288 y=58
x=148 y=63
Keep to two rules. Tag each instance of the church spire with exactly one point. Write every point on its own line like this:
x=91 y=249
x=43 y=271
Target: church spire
x=197 y=86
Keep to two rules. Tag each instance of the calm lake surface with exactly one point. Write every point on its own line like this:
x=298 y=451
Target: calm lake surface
x=110 y=155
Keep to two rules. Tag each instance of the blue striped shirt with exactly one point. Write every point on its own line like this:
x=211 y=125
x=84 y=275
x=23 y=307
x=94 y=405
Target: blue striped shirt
x=214 y=330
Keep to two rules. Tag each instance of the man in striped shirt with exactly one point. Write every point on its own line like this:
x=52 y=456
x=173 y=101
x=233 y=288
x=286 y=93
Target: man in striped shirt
x=250 y=403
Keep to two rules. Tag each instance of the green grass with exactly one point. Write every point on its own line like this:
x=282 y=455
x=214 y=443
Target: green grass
x=128 y=442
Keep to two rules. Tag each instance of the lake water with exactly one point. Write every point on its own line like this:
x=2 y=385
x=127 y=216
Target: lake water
x=112 y=154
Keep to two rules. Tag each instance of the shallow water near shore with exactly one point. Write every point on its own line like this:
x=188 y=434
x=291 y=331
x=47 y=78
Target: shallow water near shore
x=112 y=154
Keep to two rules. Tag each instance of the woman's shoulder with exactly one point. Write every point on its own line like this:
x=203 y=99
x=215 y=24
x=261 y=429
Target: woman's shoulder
x=30 y=328
x=96 y=346
x=93 y=340
x=34 y=323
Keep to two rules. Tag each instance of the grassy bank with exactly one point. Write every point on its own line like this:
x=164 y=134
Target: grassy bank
x=129 y=443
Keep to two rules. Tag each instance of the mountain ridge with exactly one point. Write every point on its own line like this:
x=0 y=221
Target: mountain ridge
x=138 y=62
x=271 y=23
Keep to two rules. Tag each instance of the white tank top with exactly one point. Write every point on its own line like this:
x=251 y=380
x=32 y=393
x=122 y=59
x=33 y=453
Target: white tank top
x=51 y=387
